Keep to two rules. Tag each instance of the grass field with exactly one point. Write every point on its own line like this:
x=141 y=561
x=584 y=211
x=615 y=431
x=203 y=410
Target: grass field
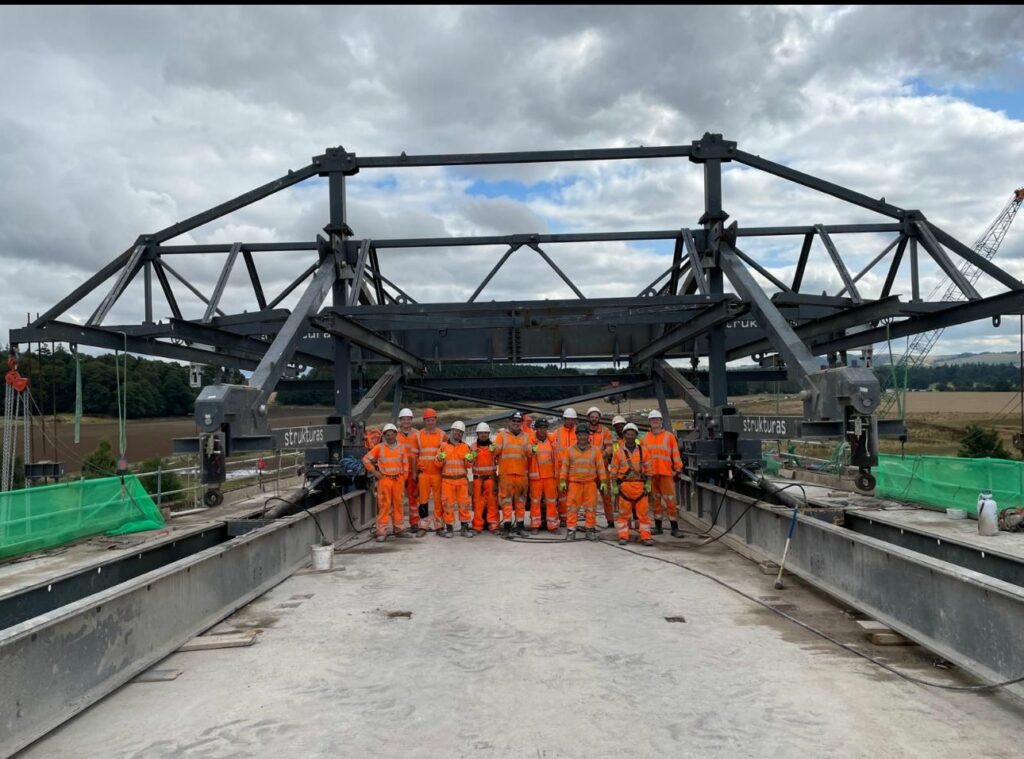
x=936 y=422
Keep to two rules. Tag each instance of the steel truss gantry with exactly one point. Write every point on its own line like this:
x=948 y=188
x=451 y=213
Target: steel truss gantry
x=685 y=313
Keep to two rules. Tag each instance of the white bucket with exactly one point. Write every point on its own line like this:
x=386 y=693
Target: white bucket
x=956 y=513
x=323 y=558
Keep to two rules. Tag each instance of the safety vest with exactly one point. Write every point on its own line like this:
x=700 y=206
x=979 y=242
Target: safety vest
x=582 y=466
x=454 y=459
x=427 y=446
x=409 y=444
x=513 y=451
x=663 y=452
x=543 y=463
x=565 y=438
x=483 y=464
x=390 y=460
x=630 y=465
x=599 y=437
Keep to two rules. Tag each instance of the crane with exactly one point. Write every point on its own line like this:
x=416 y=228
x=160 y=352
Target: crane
x=986 y=246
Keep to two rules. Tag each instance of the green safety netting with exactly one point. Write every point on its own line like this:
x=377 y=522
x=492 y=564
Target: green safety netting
x=950 y=482
x=48 y=516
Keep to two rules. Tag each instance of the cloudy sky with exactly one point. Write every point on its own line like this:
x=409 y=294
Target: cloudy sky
x=120 y=121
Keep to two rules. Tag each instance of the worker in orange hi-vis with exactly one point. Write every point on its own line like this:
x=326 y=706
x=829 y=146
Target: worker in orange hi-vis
x=631 y=482
x=564 y=438
x=662 y=448
x=611 y=445
x=543 y=478
x=428 y=472
x=456 y=458
x=601 y=438
x=485 y=479
x=581 y=475
x=513 y=450
x=407 y=437
x=388 y=463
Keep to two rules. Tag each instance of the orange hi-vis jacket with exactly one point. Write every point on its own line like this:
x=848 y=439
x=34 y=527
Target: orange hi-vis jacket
x=565 y=438
x=484 y=463
x=544 y=461
x=454 y=465
x=630 y=466
x=409 y=444
x=663 y=451
x=583 y=466
x=391 y=461
x=599 y=438
x=427 y=447
x=513 y=452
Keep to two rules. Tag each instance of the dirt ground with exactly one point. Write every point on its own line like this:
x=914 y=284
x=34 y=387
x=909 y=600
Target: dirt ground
x=936 y=422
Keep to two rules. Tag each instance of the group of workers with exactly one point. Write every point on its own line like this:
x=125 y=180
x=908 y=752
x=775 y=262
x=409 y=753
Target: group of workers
x=556 y=477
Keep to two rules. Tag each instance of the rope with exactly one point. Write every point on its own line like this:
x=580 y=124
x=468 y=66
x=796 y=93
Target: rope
x=78 y=396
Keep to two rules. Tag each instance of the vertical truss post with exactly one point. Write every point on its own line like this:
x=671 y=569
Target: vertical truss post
x=147 y=278
x=915 y=282
x=696 y=270
x=713 y=221
x=801 y=264
x=340 y=232
x=844 y=273
x=257 y=287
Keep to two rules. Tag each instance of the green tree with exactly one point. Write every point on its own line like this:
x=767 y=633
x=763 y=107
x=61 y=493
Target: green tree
x=168 y=481
x=99 y=463
x=981 y=443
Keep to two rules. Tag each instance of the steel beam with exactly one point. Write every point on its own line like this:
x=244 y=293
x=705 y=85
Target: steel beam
x=535 y=156
x=894 y=268
x=60 y=663
x=127 y=274
x=254 y=277
x=161 y=276
x=357 y=279
x=848 y=284
x=719 y=314
x=494 y=270
x=972 y=256
x=872 y=263
x=362 y=411
x=694 y=398
x=295 y=283
x=963 y=616
x=558 y=271
x=346 y=328
x=939 y=255
x=189 y=285
x=801 y=264
x=222 y=281
x=696 y=268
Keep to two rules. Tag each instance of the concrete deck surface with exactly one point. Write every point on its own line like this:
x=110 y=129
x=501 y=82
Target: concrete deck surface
x=538 y=650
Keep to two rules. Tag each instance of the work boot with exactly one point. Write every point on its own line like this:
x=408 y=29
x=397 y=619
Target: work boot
x=561 y=523
x=463 y=529
x=648 y=542
x=439 y=532
x=470 y=532
x=657 y=527
x=449 y=531
x=403 y=534
x=570 y=534
x=535 y=531
x=506 y=529
x=381 y=538
x=676 y=532
x=521 y=530
x=420 y=532
x=592 y=533
x=610 y=521
x=623 y=541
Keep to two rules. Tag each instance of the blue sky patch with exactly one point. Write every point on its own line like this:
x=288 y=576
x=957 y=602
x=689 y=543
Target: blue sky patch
x=1009 y=101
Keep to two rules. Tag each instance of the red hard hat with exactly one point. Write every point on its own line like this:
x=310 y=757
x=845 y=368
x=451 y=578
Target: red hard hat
x=429 y=414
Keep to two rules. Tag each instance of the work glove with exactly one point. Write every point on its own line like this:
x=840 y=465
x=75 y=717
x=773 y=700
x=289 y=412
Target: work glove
x=647 y=487
x=533 y=448
x=423 y=511
x=615 y=488
x=603 y=487
x=441 y=456
x=471 y=457
x=563 y=485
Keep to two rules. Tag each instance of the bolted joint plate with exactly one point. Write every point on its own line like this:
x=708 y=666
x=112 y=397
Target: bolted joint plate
x=335 y=160
x=712 y=146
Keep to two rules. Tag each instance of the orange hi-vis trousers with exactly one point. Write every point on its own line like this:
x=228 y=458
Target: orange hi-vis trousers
x=512 y=493
x=455 y=494
x=412 y=494
x=546 y=488
x=485 y=503
x=663 y=497
x=430 y=485
x=632 y=496
x=389 y=503
x=581 y=495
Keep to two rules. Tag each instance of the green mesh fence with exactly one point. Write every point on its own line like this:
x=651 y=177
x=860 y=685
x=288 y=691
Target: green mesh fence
x=48 y=516
x=950 y=482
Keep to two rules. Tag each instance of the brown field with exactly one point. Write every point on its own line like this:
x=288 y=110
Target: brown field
x=936 y=422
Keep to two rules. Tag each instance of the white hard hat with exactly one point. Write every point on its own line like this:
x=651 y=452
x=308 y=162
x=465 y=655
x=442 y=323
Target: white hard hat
x=592 y=409
x=618 y=419
x=483 y=427
x=569 y=413
x=405 y=412
x=631 y=426
x=655 y=414
x=459 y=426
x=389 y=427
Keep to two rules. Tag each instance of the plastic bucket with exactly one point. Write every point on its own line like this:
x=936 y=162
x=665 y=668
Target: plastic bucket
x=323 y=558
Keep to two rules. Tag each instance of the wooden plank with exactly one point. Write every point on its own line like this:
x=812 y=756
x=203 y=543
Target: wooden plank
x=871 y=626
x=209 y=642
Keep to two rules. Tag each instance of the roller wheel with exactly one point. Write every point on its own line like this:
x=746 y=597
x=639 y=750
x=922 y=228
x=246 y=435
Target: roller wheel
x=865 y=480
x=213 y=498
